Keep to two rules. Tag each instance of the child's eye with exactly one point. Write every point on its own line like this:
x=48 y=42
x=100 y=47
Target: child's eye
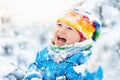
x=59 y=24
x=69 y=28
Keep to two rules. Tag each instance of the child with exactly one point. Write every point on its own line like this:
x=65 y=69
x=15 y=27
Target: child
x=74 y=35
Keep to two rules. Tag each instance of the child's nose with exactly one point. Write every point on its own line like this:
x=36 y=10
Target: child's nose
x=62 y=30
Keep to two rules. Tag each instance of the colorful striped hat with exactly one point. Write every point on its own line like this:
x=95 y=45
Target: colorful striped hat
x=84 y=22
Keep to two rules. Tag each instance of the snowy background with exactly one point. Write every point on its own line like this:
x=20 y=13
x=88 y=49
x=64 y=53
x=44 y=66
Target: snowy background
x=26 y=26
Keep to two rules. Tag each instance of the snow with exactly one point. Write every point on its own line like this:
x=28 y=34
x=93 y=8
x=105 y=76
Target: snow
x=108 y=49
x=27 y=25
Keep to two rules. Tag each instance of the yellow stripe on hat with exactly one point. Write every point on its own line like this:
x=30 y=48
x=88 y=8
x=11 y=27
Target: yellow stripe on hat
x=87 y=28
x=74 y=25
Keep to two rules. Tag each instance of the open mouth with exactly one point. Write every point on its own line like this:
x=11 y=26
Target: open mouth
x=61 y=39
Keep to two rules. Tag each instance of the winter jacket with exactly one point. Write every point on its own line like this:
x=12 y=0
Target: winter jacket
x=55 y=64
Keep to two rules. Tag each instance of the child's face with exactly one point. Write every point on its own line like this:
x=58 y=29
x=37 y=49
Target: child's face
x=65 y=35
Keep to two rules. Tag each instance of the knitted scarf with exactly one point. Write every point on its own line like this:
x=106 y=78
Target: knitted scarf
x=60 y=53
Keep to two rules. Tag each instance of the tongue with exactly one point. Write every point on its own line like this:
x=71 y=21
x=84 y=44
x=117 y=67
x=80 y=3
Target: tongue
x=62 y=39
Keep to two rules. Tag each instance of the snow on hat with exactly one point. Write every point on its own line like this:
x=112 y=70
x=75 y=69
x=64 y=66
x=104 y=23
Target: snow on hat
x=84 y=22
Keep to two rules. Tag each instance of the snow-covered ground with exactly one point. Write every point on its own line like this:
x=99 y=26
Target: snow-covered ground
x=26 y=26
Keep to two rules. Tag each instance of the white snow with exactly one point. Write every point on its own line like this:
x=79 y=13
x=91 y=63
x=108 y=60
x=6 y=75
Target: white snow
x=27 y=25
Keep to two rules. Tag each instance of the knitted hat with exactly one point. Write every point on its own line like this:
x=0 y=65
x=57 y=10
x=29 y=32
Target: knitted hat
x=83 y=22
